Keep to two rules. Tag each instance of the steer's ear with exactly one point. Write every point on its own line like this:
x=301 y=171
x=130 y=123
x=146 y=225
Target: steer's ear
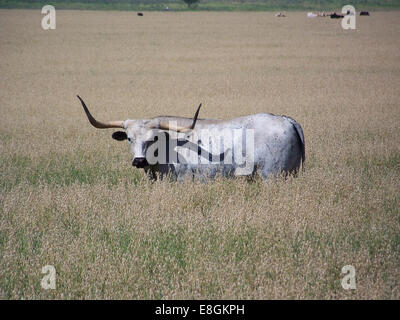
x=119 y=135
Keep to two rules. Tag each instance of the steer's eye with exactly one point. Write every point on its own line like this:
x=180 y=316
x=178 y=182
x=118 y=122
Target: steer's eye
x=129 y=139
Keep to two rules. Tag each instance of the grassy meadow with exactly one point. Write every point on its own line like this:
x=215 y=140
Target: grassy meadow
x=201 y=5
x=70 y=198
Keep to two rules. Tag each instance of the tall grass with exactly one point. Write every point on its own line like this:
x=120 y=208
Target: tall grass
x=70 y=198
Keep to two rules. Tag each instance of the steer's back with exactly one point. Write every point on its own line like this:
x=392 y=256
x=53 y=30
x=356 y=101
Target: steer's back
x=279 y=144
x=278 y=140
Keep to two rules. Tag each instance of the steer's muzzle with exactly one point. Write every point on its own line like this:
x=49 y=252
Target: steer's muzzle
x=140 y=162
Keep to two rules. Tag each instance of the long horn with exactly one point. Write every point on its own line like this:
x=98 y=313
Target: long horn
x=167 y=126
x=98 y=124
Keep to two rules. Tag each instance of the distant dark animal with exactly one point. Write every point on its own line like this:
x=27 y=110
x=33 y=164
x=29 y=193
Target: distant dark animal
x=364 y=13
x=336 y=16
x=140 y=14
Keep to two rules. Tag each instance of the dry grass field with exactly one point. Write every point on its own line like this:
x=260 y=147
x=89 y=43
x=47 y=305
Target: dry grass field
x=70 y=198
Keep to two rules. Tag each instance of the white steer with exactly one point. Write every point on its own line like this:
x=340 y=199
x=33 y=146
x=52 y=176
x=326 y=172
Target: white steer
x=263 y=144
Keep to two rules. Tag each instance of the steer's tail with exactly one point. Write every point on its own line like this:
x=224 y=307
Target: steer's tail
x=299 y=131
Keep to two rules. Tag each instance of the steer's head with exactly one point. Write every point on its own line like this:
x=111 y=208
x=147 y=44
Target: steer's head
x=139 y=133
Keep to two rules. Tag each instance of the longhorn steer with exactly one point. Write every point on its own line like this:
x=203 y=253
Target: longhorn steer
x=263 y=144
